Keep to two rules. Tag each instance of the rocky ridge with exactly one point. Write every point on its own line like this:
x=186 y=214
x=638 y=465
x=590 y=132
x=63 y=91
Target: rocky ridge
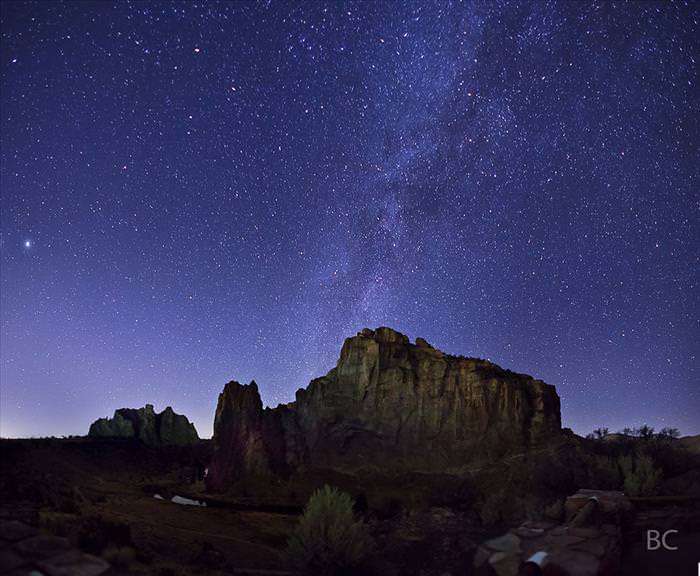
x=155 y=429
x=388 y=405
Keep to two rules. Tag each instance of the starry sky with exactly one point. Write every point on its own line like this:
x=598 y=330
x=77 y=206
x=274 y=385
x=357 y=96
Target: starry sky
x=194 y=193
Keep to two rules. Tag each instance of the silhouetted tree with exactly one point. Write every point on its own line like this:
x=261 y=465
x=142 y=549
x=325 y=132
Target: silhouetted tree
x=669 y=432
x=598 y=434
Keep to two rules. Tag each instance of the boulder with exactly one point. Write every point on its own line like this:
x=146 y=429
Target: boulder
x=388 y=405
x=163 y=429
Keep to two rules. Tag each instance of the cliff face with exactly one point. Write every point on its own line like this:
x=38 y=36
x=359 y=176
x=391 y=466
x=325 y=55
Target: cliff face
x=155 y=429
x=389 y=405
x=238 y=433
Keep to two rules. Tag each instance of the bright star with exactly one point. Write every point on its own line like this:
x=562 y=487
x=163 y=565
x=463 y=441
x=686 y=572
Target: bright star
x=27 y=243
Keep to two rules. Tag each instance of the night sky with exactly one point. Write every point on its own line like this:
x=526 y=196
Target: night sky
x=194 y=193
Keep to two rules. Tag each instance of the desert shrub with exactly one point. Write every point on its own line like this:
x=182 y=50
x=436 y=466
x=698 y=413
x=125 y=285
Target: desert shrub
x=97 y=533
x=645 y=432
x=549 y=476
x=504 y=507
x=606 y=474
x=328 y=539
x=641 y=476
x=490 y=511
x=626 y=464
x=121 y=557
x=669 y=455
x=554 y=511
x=535 y=509
x=669 y=432
x=598 y=434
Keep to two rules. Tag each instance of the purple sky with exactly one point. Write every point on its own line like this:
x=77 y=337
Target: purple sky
x=197 y=193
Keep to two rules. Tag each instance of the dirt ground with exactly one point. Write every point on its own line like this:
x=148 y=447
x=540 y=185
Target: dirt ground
x=100 y=496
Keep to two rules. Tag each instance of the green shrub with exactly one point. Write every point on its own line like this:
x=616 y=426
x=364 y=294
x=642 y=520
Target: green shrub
x=606 y=474
x=672 y=457
x=642 y=477
x=505 y=507
x=490 y=512
x=626 y=464
x=329 y=539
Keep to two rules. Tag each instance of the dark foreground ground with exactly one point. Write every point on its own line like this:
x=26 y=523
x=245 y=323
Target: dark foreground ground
x=84 y=507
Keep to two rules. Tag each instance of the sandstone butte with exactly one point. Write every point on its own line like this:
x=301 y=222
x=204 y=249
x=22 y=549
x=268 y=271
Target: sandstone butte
x=388 y=406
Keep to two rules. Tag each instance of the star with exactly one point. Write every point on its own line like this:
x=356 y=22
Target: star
x=27 y=244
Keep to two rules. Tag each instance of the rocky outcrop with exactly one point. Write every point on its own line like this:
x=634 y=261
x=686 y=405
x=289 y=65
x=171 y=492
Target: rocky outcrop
x=175 y=429
x=589 y=543
x=238 y=429
x=117 y=427
x=387 y=405
x=155 y=429
x=25 y=550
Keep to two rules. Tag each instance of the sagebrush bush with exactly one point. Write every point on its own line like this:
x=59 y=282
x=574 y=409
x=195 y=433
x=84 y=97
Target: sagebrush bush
x=605 y=473
x=642 y=477
x=505 y=507
x=329 y=539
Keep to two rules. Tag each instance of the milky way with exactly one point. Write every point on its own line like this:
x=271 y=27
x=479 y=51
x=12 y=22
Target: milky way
x=198 y=193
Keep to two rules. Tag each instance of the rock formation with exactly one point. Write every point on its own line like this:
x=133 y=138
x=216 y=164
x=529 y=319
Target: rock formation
x=589 y=543
x=388 y=405
x=155 y=429
x=117 y=427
